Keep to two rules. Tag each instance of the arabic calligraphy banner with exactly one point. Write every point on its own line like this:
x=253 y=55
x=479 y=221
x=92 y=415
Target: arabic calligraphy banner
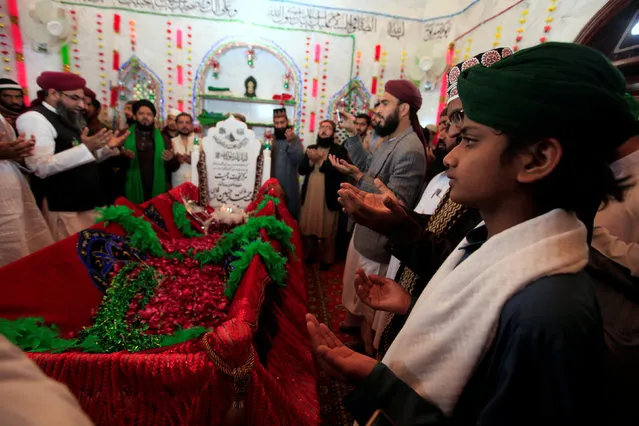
x=215 y=8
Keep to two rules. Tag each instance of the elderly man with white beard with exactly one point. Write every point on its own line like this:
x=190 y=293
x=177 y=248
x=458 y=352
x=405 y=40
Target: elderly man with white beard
x=65 y=159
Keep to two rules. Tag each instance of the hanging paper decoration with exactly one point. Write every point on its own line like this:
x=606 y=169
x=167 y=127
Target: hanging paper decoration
x=216 y=69
x=287 y=79
x=520 y=30
x=180 y=104
x=189 y=66
x=497 y=41
x=169 y=52
x=132 y=35
x=250 y=56
x=311 y=126
x=467 y=52
x=324 y=77
x=66 y=50
x=18 y=47
x=402 y=67
x=358 y=60
x=103 y=81
x=376 y=67
x=549 y=19
x=6 y=54
x=444 y=86
x=116 y=23
x=382 y=69
x=180 y=75
x=305 y=85
x=66 y=57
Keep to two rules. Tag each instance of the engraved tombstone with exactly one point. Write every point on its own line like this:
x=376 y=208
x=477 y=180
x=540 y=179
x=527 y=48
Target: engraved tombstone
x=231 y=152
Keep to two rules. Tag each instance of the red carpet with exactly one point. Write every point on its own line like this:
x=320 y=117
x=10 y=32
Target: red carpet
x=325 y=301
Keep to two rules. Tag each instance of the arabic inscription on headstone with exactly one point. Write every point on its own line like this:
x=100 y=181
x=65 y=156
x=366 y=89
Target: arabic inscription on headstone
x=231 y=160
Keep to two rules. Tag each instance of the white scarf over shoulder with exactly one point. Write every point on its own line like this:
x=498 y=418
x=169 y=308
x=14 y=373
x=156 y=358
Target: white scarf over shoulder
x=454 y=321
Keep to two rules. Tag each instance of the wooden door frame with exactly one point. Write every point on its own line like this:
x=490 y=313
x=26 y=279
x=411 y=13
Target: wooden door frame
x=600 y=20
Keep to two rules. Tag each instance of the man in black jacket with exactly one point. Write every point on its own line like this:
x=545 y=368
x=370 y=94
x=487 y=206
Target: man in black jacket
x=320 y=209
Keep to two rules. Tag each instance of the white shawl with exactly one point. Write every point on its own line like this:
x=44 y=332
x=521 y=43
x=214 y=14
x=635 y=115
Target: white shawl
x=454 y=321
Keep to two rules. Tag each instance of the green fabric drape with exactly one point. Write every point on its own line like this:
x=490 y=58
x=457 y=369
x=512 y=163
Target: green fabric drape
x=133 y=190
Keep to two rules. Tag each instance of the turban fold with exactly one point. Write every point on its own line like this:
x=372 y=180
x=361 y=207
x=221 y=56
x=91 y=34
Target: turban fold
x=174 y=112
x=144 y=103
x=407 y=92
x=61 y=81
x=548 y=90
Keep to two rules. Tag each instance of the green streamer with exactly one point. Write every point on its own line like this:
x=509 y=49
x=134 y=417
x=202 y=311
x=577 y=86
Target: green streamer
x=182 y=222
x=66 y=57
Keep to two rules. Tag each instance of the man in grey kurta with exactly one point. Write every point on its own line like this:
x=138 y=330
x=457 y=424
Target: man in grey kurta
x=400 y=163
x=288 y=153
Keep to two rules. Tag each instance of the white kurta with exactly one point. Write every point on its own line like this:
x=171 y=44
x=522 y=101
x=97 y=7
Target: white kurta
x=22 y=227
x=183 y=173
x=45 y=162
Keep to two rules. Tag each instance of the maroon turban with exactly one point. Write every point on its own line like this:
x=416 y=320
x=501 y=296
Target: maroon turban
x=61 y=81
x=89 y=93
x=407 y=92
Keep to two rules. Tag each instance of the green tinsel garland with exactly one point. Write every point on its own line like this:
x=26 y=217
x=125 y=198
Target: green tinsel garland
x=265 y=201
x=139 y=231
x=274 y=261
x=182 y=222
x=111 y=332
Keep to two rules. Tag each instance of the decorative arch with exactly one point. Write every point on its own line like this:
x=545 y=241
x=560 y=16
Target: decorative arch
x=269 y=46
x=600 y=20
x=354 y=93
x=136 y=80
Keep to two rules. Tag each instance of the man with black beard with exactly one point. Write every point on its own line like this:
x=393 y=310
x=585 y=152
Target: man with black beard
x=398 y=161
x=65 y=158
x=320 y=209
x=147 y=160
x=183 y=145
x=11 y=101
x=287 y=155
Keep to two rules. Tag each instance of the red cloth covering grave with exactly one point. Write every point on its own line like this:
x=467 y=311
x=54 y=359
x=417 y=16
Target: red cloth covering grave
x=182 y=384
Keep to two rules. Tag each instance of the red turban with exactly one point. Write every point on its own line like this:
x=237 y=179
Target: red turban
x=407 y=92
x=89 y=93
x=61 y=81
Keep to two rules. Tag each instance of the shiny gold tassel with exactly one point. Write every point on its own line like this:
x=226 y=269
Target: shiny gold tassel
x=241 y=376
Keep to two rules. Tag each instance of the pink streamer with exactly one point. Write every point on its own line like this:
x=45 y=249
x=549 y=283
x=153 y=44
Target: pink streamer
x=318 y=52
x=178 y=42
x=180 y=75
x=315 y=87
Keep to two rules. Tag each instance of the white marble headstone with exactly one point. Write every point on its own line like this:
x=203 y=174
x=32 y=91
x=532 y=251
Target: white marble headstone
x=231 y=161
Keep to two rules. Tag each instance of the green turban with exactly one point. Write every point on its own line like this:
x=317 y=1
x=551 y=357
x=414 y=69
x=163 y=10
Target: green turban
x=550 y=90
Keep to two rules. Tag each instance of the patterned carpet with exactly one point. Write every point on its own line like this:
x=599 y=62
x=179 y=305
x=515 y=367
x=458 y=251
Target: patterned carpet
x=325 y=298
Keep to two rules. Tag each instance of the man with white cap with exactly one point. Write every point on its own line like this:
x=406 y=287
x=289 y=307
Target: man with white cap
x=170 y=129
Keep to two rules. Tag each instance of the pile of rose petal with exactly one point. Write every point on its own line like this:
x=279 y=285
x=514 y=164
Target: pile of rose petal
x=187 y=295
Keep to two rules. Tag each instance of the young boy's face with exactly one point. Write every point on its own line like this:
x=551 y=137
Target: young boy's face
x=480 y=177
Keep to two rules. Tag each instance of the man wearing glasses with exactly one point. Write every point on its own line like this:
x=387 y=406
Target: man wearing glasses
x=65 y=158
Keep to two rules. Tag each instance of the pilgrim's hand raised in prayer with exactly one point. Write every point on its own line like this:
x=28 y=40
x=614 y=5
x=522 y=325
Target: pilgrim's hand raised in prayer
x=21 y=147
x=347 y=122
x=168 y=155
x=379 y=212
x=118 y=138
x=345 y=167
x=290 y=134
x=382 y=293
x=97 y=141
x=338 y=360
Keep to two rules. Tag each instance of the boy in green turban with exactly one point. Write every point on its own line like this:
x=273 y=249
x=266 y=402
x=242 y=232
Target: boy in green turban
x=507 y=332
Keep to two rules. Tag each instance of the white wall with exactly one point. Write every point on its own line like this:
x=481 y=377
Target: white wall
x=347 y=25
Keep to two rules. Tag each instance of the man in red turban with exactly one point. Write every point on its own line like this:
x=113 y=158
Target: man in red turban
x=65 y=158
x=399 y=161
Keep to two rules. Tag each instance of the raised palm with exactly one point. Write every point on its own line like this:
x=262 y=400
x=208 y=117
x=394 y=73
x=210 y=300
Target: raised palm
x=334 y=357
x=380 y=212
x=382 y=293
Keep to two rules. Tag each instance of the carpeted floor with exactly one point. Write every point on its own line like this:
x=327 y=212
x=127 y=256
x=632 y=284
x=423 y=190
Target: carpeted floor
x=325 y=298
